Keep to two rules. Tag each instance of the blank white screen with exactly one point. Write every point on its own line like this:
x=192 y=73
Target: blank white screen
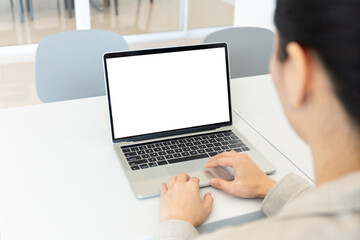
x=167 y=91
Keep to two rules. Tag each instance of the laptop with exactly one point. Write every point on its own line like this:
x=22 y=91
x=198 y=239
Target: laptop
x=170 y=111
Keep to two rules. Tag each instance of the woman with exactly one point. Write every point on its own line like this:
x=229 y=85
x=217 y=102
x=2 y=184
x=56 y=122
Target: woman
x=316 y=71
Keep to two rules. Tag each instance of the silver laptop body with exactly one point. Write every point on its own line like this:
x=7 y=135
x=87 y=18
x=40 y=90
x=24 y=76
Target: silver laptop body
x=164 y=102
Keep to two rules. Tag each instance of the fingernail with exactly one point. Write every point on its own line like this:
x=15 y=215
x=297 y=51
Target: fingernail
x=212 y=181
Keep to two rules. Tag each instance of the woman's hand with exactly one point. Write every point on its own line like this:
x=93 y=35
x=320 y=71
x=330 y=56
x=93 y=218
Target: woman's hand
x=181 y=200
x=249 y=182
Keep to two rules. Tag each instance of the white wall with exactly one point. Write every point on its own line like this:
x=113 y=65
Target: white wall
x=254 y=13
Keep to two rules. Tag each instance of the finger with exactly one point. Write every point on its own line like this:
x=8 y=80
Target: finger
x=224 y=161
x=208 y=202
x=172 y=181
x=163 y=189
x=183 y=177
x=195 y=180
x=222 y=184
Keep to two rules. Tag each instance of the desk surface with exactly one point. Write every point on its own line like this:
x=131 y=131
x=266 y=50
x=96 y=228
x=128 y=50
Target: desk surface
x=61 y=179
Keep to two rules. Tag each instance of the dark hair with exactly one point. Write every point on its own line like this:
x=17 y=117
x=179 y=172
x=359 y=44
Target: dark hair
x=331 y=29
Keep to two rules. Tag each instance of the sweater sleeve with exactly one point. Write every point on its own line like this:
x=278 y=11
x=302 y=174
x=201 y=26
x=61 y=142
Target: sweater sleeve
x=175 y=230
x=287 y=189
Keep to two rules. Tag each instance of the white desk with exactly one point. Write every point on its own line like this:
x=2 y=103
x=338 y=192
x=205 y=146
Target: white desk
x=61 y=179
x=255 y=99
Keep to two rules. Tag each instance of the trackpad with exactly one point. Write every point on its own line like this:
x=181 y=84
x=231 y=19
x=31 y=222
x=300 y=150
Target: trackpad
x=204 y=174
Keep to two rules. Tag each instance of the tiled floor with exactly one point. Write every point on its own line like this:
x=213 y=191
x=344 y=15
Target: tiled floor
x=17 y=81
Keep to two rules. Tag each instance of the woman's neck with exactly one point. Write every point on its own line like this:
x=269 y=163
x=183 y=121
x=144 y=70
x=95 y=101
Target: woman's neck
x=337 y=152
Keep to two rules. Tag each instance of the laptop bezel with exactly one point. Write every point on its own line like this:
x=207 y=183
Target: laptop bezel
x=175 y=132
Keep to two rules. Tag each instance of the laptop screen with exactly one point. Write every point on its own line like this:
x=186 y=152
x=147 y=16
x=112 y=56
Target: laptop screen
x=166 y=90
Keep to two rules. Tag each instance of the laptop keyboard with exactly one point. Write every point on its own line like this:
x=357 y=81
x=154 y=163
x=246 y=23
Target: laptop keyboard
x=153 y=154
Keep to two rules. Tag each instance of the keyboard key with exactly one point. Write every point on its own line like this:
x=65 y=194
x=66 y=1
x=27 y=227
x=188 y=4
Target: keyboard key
x=202 y=146
x=149 y=150
x=166 y=143
x=135 y=168
x=160 y=158
x=185 y=154
x=186 y=149
x=205 y=142
x=133 y=158
x=225 y=143
x=228 y=133
x=151 y=146
x=181 y=145
x=170 y=152
x=158 y=145
x=193 y=153
x=212 y=140
x=143 y=166
x=209 y=150
x=154 y=154
x=225 y=147
x=201 y=151
x=184 y=159
x=234 y=141
x=217 y=149
x=169 y=156
x=194 y=148
x=126 y=150
x=212 y=154
x=134 y=149
x=178 y=150
x=140 y=152
x=162 y=153
x=162 y=163
x=157 y=149
x=177 y=155
x=189 y=144
x=130 y=154
x=235 y=146
x=145 y=156
x=237 y=150
x=152 y=164
x=134 y=163
x=165 y=148
x=152 y=160
x=217 y=144
x=245 y=149
x=141 y=147
x=182 y=141
x=210 y=145
x=173 y=146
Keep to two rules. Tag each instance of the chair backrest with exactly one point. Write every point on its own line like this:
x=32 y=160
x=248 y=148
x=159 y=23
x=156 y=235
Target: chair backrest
x=68 y=65
x=250 y=49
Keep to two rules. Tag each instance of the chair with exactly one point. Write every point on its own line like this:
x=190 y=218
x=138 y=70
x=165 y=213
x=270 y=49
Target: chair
x=250 y=49
x=69 y=65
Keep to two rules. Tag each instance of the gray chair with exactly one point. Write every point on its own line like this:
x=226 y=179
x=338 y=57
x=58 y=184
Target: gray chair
x=250 y=49
x=69 y=65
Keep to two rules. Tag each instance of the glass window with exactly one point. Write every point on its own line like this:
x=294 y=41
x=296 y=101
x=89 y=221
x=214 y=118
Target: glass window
x=210 y=13
x=29 y=21
x=136 y=16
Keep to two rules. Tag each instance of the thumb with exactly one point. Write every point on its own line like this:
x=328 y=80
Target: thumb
x=221 y=184
x=208 y=201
